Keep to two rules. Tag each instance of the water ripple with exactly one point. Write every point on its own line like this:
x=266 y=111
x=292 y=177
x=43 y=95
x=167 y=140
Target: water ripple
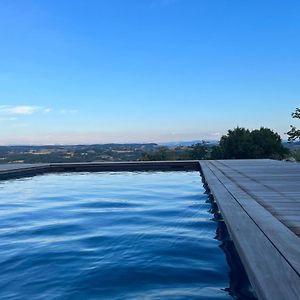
x=109 y=236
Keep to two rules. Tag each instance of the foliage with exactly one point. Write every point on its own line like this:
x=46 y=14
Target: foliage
x=197 y=151
x=216 y=152
x=241 y=143
x=294 y=133
x=236 y=144
x=296 y=154
x=267 y=144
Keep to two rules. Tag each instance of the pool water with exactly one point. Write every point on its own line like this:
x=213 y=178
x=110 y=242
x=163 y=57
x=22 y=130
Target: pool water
x=146 y=235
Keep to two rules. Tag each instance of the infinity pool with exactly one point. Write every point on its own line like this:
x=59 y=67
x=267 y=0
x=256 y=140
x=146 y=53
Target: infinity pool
x=126 y=235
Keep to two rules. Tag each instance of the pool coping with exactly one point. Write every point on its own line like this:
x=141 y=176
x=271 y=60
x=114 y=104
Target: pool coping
x=8 y=171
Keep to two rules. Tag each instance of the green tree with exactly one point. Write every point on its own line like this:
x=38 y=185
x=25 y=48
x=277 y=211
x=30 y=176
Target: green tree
x=294 y=133
x=267 y=144
x=199 y=151
x=241 y=143
x=216 y=152
x=237 y=144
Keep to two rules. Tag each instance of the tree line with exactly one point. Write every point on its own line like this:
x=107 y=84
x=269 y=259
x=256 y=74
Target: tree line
x=238 y=143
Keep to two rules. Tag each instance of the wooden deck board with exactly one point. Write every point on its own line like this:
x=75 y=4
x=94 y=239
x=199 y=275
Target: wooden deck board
x=272 y=217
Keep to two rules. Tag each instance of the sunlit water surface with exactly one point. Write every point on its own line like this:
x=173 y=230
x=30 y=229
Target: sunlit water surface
x=109 y=236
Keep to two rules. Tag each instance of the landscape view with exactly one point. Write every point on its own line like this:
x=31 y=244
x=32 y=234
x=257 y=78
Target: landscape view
x=266 y=146
x=150 y=149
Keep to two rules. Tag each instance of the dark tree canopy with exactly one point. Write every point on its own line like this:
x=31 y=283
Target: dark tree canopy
x=294 y=133
x=241 y=143
x=237 y=143
x=198 y=151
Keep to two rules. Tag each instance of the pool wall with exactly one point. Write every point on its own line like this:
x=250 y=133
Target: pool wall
x=23 y=170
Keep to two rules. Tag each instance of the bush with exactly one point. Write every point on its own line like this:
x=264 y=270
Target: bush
x=241 y=143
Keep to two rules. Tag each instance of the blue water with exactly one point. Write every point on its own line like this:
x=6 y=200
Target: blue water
x=109 y=236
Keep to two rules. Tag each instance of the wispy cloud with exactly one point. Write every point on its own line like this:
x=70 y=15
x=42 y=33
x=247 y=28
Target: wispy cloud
x=7 y=111
x=18 y=109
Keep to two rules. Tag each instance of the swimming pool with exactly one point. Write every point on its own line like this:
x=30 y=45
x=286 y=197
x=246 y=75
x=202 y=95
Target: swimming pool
x=129 y=235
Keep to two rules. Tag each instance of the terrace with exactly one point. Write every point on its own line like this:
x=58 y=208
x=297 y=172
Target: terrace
x=258 y=199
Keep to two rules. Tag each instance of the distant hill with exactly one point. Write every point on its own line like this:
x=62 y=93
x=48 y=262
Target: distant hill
x=291 y=145
x=187 y=143
x=74 y=153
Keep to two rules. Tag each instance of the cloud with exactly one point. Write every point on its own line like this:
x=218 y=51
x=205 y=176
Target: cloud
x=14 y=110
x=18 y=110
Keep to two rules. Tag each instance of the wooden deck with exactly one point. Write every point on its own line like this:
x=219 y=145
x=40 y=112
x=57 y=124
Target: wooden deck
x=259 y=201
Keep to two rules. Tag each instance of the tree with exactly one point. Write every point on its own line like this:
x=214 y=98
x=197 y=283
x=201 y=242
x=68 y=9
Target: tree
x=241 y=143
x=267 y=144
x=237 y=144
x=216 y=152
x=198 y=151
x=294 y=133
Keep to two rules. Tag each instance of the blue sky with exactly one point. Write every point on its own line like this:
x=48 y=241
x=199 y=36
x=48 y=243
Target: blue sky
x=146 y=70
